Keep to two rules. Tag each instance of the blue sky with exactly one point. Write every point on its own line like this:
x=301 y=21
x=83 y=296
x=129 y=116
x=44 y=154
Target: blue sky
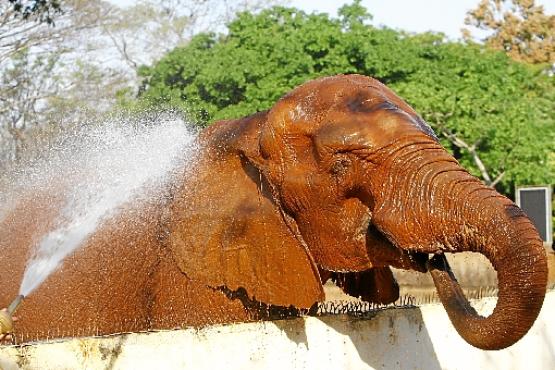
x=445 y=16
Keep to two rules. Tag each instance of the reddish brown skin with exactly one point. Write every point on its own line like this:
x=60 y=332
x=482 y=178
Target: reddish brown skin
x=340 y=179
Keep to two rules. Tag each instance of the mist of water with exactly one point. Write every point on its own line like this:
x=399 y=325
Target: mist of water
x=110 y=164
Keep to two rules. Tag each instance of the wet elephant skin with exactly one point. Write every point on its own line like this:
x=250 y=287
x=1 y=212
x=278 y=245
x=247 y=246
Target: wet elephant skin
x=340 y=179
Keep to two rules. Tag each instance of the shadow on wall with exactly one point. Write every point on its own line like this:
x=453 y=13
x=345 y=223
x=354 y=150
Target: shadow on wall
x=375 y=341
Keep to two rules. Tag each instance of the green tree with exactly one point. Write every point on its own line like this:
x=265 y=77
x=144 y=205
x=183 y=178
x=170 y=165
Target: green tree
x=494 y=114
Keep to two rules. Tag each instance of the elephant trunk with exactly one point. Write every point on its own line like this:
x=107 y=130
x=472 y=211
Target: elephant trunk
x=441 y=208
x=516 y=252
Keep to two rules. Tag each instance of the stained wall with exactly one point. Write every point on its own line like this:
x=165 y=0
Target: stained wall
x=412 y=338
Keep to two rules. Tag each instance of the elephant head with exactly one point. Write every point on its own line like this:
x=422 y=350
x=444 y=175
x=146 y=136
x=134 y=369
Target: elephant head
x=342 y=175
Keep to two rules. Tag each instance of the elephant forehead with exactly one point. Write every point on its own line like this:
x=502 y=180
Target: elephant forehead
x=353 y=101
x=308 y=104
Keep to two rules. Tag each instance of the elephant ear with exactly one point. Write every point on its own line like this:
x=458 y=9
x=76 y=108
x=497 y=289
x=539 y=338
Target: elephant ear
x=226 y=230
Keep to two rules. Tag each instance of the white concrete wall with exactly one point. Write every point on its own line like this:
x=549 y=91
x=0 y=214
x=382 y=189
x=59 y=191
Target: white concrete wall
x=420 y=338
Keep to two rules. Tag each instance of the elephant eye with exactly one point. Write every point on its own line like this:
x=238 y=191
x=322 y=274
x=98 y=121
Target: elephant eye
x=340 y=166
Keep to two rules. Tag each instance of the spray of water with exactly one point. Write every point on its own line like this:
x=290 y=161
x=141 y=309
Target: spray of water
x=110 y=165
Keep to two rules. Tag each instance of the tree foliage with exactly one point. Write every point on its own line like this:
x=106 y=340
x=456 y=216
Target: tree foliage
x=518 y=27
x=494 y=114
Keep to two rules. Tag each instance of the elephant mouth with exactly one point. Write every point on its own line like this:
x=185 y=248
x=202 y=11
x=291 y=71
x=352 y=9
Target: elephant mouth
x=417 y=261
x=383 y=252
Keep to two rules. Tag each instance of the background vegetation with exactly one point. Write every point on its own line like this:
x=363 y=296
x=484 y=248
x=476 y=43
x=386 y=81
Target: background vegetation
x=494 y=114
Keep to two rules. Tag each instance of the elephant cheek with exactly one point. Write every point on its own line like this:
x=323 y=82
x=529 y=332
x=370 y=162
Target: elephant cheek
x=336 y=237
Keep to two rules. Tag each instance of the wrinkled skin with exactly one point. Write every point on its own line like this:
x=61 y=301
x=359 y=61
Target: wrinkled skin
x=340 y=179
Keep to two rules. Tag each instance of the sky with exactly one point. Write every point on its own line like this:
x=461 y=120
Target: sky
x=445 y=16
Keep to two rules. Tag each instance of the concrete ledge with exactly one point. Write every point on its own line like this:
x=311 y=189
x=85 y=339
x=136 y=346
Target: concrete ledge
x=416 y=338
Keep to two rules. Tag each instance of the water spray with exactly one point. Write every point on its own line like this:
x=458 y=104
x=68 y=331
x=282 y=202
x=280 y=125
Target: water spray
x=114 y=165
x=6 y=317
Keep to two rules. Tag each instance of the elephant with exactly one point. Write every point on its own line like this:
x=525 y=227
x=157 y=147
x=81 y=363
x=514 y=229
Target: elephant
x=341 y=179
